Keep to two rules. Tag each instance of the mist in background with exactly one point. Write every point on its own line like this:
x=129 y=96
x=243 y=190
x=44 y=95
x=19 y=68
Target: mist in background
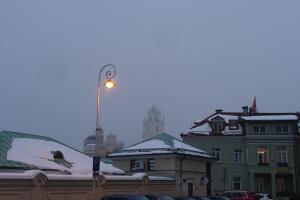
x=186 y=57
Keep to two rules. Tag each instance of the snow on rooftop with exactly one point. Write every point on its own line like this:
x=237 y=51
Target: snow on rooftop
x=154 y=152
x=131 y=153
x=38 y=153
x=270 y=117
x=225 y=117
x=31 y=174
x=181 y=145
x=204 y=129
x=159 y=146
x=150 y=144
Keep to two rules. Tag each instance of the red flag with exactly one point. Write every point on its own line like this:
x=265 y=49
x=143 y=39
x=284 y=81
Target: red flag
x=253 y=107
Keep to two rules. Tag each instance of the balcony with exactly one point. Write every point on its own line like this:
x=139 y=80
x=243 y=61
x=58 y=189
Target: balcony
x=282 y=165
x=263 y=164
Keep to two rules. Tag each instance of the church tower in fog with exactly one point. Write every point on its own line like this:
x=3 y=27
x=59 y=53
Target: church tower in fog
x=154 y=123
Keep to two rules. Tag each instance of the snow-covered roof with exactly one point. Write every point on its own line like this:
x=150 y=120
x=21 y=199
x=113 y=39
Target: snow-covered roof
x=150 y=144
x=226 y=117
x=161 y=144
x=37 y=152
x=270 y=117
x=204 y=129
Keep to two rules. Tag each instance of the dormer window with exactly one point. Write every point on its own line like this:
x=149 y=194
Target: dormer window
x=233 y=125
x=58 y=155
x=217 y=124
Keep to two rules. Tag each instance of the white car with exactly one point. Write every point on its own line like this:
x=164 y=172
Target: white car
x=262 y=196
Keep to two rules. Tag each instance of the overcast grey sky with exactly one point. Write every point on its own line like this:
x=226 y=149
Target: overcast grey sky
x=188 y=57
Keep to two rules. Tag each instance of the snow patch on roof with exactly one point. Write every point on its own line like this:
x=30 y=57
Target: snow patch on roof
x=37 y=152
x=204 y=129
x=31 y=174
x=224 y=116
x=150 y=144
x=161 y=144
x=183 y=146
x=270 y=117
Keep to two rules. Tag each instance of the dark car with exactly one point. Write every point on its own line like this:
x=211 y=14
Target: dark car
x=191 y=198
x=238 y=195
x=217 y=198
x=159 y=197
x=124 y=197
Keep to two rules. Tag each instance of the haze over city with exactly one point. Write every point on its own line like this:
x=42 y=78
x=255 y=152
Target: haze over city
x=186 y=57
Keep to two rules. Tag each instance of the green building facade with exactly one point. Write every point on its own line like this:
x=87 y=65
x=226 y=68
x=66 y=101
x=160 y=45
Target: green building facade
x=255 y=152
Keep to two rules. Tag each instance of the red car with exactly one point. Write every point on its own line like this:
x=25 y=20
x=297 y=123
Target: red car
x=238 y=195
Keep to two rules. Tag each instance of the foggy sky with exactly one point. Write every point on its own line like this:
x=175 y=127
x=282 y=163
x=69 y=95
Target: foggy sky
x=186 y=57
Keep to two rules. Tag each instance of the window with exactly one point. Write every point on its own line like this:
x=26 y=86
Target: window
x=262 y=155
x=236 y=182
x=259 y=184
x=151 y=164
x=259 y=129
x=215 y=152
x=233 y=125
x=282 y=155
x=137 y=165
x=282 y=129
x=217 y=124
x=238 y=156
x=156 y=128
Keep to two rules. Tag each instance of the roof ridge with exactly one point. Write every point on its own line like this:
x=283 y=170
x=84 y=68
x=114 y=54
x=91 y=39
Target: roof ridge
x=159 y=137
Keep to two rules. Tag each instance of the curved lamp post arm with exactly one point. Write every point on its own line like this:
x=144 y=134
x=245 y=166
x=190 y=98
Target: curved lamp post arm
x=110 y=74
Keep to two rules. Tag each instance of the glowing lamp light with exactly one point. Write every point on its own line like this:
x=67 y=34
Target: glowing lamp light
x=109 y=84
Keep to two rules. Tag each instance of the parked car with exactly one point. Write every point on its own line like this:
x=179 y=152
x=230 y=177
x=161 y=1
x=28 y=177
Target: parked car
x=124 y=197
x=217 y=198
x=262 y=196
x=238 y=195
x=159 y=197
x=191 y=198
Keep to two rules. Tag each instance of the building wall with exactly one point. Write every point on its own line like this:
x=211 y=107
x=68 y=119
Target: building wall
x=272 y=140
x=184 y=170
x=224 y=170
x=43 y=189
x=297 y=142
x=163 y=164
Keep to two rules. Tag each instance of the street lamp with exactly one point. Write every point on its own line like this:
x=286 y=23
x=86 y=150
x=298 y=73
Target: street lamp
x=109 y=83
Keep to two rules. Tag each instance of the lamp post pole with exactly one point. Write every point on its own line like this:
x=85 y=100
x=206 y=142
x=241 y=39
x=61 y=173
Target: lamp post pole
x=110 y=72
x=109 y=75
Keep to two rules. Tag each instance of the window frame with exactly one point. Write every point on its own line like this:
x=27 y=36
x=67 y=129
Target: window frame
x=265 y=156
x=282 y=129
x=238 y=156
x=234 y=182
x=133 y=166
x=260 y=129
x=217 y=124
x=216 y=153
x=149 y=168
x=282 y=155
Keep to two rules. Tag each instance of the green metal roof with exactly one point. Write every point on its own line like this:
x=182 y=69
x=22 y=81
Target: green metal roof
x=6 y=138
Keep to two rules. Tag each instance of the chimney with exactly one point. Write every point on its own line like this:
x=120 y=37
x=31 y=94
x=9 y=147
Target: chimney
x=245 y=110
x=219 y=111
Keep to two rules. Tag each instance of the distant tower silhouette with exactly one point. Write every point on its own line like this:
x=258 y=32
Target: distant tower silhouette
x=154 y=123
